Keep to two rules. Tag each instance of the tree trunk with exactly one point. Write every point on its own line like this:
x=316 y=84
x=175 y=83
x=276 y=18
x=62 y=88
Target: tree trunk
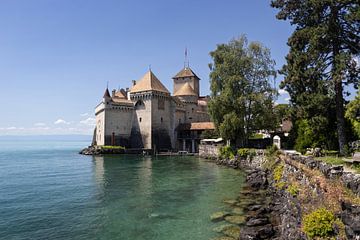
x=337 y=78
x=340 y=120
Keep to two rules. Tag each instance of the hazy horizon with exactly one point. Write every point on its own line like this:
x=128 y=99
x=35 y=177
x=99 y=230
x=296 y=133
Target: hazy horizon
x=57 y=56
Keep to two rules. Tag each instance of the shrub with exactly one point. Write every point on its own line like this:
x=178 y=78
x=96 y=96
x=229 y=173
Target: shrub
x=319 y=223
x=278 y=171
x=245 y=152
x=112 y=147
x=272 y=150
x=280 y=185
x=226 y=152
x=293 y=190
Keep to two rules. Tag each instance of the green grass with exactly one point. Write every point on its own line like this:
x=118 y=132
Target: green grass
x=112 y=147
x=356 y=167
x=339 y=161
x=331 y=160
x=256 y=136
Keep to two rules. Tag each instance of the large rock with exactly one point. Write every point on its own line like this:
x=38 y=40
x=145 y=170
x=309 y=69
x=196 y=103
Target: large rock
x=257 y=221
x=350 y=216
x=218 y=216
x=257 y=180
x=232 y=231
x=260 y=232
x=235 y=219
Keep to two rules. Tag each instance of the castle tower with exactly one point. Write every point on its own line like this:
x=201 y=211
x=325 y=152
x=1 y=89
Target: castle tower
x=186 y=75
x=153 y=123
x=113 y=119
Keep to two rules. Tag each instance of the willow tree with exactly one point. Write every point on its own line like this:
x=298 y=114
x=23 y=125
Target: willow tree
x=241 y=93
x=323 y=47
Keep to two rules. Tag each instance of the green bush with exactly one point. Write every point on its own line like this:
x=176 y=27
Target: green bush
x=272 y=150
x=293 y=190
x=280 y=185
x=278 y=171
x=319 y=223
x=112 y=147
x=226 y=152
x=245 y=152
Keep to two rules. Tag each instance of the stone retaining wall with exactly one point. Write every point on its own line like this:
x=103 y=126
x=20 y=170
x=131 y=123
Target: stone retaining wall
x=209 y=151
x=350 y=180
x=284 y=211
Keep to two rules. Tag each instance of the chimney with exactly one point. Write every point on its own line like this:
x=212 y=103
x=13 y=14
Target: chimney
x=133 y=82
x=113 y=93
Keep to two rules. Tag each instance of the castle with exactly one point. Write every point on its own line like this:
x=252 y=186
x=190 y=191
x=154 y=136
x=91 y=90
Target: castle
x=147 y=116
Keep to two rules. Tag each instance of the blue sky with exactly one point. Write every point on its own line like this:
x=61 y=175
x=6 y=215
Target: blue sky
x=57 y=56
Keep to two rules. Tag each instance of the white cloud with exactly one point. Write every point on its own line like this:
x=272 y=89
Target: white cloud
x=40 y=124
x=11 y=128
x=89 y=121
x=84 y=114
x=282 y=92
x=61 y=121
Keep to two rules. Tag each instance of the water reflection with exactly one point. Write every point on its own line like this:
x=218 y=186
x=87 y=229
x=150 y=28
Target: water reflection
x=158 y=198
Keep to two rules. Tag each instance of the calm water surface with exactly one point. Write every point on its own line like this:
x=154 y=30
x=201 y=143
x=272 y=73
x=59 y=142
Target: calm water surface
x=49 y=191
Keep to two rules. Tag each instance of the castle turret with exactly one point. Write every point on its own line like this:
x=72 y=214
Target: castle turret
x=107 y=94
x=186 y=75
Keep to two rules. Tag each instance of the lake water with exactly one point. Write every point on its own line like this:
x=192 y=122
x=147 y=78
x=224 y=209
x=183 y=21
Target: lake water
x=49 y=191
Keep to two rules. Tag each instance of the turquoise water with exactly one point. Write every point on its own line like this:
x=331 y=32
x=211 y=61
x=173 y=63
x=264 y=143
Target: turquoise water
x=49 y=191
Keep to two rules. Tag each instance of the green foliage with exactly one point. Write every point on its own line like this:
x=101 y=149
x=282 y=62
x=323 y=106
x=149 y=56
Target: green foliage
x=230 y=126
x=256 y=136
x=330 y=153
x=242 y=96
x=313 y=133
x=280 y=185
x=321 y=59
x=356 y=167
x=353 y=114
x=271 y=154
x=272 y=150
x=331 y=160
x=278 y=172
x=319 y=223
x=212 y=134
x=112 y=147
x=245 y=152
x=293 y=190
x=227 y=152
x=282 y=111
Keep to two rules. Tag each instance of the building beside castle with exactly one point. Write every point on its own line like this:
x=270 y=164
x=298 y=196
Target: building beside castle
x=147 y=116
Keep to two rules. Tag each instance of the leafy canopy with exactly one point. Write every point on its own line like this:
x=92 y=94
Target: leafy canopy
x=353 y=114
x=321 y=59
x=242 y=96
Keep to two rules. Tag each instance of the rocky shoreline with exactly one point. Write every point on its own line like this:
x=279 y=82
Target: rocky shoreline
x=95 y=150
x=272 y=210
x=260 y=208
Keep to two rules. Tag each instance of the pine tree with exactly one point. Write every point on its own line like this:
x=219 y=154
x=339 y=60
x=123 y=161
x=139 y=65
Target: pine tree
x=323 y=48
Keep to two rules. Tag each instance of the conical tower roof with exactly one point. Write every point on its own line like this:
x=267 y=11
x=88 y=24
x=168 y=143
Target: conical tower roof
x=185 y=90
x=186 y=72
x=149 y=82
x=107 y=93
